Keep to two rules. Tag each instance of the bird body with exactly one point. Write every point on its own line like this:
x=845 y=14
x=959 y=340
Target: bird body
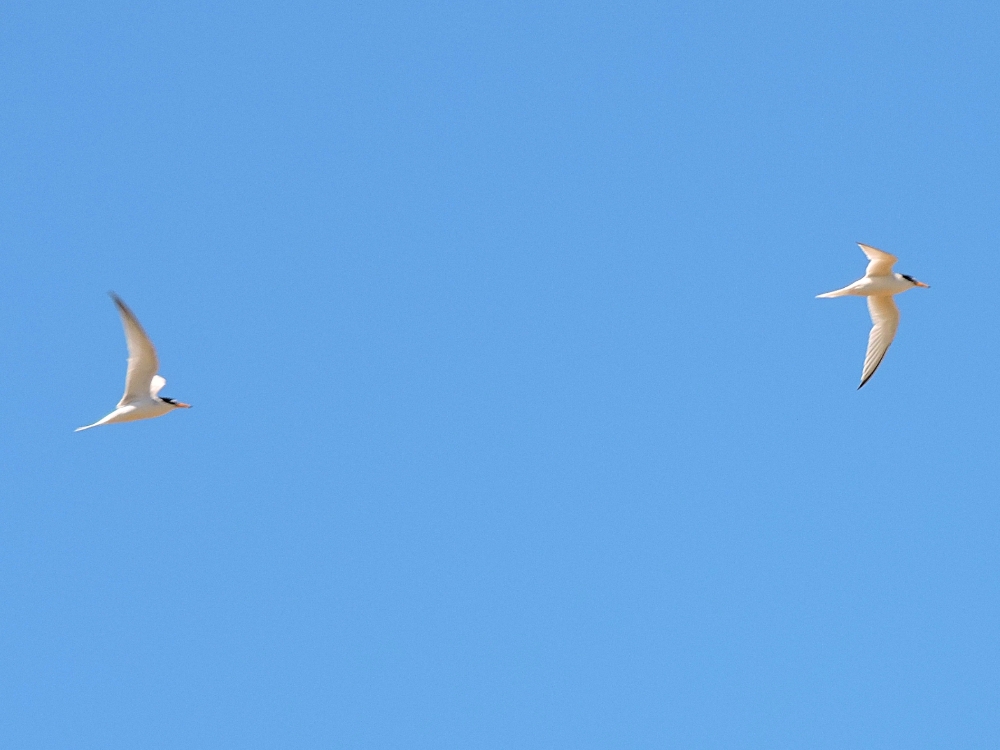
x=142 y=398
x=879 y=285
x=870 y=286
x=132 y=413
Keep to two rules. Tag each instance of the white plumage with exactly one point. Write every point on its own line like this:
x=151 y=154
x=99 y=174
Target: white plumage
x=879 y=284
x=142 y=398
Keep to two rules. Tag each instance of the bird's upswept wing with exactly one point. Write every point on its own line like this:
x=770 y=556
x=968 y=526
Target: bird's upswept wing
x=879 y=263
x=885 y=321
x=157 y=385
x=142 y=360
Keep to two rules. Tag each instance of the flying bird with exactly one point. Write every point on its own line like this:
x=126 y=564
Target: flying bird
x=142 y=384
x=878 y=285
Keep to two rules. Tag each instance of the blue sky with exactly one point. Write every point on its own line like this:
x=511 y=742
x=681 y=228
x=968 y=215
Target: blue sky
x=516 y=422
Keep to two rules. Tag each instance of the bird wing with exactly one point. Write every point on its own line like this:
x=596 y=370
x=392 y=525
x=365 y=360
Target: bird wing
x=156 y=385
x=142 y=360
x=879 y=263
x=885 y=321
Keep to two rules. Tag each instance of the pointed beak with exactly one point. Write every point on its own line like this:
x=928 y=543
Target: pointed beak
x=920 y=283
x=182 y=404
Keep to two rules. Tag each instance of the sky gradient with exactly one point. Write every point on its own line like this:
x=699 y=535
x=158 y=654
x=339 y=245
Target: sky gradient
x=516 y=423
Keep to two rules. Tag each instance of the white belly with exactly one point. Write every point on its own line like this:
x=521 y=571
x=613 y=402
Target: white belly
x=871 y=286
x=142 y=410
x=146 y=409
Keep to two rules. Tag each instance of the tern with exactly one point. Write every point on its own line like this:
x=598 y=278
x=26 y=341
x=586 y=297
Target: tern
x=142 y=384
x=878 y=285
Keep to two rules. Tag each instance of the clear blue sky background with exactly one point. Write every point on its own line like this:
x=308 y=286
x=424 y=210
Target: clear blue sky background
x=517 y=424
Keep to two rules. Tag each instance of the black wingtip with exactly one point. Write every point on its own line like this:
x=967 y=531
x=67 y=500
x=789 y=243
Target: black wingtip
x=119 y=302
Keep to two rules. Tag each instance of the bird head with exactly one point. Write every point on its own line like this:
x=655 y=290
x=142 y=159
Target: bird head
x=175 y=404
x=915 y=282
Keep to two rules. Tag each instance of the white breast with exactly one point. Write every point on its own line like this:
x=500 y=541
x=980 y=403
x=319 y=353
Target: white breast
x=874 y=285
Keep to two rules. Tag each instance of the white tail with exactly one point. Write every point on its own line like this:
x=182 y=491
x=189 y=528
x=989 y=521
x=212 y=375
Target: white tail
x=845 y=292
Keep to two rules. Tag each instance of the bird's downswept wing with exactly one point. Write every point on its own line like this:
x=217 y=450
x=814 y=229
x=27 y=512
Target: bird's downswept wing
x=885 y=321
x=880 y=263
x=142 y=360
